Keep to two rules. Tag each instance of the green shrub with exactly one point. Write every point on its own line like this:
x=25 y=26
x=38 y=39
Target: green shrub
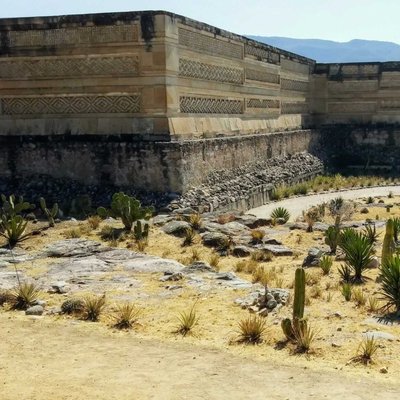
x=280 y=212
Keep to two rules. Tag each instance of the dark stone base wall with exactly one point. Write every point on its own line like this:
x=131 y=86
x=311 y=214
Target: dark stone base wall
x=371 y=149
x=157 y=167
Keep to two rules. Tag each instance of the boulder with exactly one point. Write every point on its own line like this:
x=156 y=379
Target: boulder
x=215 y=239
x=199 y=266
x=276 y=250
x=313 y=257
x=34 y=310
x=241 y=251
x=374 y=263
x=73 y=248
x=176 y=228
x=253 y=222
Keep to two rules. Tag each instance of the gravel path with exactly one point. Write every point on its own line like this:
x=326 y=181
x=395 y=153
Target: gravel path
x=296 y=205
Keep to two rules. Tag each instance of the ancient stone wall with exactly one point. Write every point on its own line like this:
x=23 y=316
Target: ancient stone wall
x=356 y=93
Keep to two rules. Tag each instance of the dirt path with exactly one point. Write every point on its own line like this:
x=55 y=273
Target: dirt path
x=41 y=360
x=296 y=205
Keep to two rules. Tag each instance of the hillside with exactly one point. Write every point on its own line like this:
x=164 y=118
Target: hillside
x=327 y=51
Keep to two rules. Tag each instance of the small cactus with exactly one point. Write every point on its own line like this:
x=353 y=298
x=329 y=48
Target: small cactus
x=141 y=231
x=50 y=214
x=12 y=207
x=291 y=327
x=388 y=247
x=72 y=306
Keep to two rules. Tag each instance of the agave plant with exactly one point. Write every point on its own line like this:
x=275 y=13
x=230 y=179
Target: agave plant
x=358 y=251
x=24 y=295
x=126 y=316
x=390 y=281
x=281 y=213
x=370 y=233
x=13 y=229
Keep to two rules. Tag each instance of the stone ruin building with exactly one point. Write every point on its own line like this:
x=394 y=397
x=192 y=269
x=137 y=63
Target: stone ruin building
x=157 y=102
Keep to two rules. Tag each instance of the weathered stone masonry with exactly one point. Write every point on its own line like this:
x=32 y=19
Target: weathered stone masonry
x=156 y=101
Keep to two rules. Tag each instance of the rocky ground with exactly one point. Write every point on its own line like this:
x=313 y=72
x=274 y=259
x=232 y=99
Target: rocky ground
x=169 y=278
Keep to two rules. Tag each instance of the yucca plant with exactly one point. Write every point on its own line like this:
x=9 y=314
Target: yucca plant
x=93 y=307
x=325 y=264
x=187 y=321
x=370 y=233
x=24 y=296
x=126 y=315
x=252 y=329
x=347 y=291
x=281 y=213
x=390 y=284
x=396 y=228
x=366 y=350
x=358 y=251
x=345 y=273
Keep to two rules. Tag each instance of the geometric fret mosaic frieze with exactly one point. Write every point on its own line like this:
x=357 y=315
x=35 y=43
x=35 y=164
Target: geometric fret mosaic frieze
x=202 y=105
x=77 y=104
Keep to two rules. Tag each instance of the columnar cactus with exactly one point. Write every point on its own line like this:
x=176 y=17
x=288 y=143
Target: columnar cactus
x=50 y=214
x=292 y=327
x=141 y=231
x=388 y=247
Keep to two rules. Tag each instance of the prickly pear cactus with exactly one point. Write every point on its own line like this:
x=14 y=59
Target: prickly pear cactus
x=50 y=214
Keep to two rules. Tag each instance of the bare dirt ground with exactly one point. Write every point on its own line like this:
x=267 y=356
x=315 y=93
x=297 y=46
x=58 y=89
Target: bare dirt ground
x=42 y=360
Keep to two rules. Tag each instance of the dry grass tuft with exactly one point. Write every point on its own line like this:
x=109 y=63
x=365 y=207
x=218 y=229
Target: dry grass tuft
x=252 y=330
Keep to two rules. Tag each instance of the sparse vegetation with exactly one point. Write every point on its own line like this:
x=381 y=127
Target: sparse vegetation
x=325 y=263
x=257 y=236
x=195 y=221
x=359 y=297
x=126 y=315
x=94 y=221
x=24 y=295
x=93 y=307
x=366 y=350
x=189 y=237
x=187 y=321
x=347 y=291
x=73 y=233
x=252 y=329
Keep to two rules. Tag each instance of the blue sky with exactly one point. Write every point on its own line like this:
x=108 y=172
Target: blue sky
x=339 y=20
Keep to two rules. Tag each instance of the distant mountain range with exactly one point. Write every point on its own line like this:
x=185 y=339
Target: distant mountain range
x=327 y=51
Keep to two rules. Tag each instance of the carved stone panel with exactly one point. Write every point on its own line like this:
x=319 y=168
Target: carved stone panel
x=297 y=86
x=68 y=66
x=262 y=76
x=294 y=108
x=200 y=70
x=209 y=45
x=70 y=104
x=205 y=105
x=73 y=36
